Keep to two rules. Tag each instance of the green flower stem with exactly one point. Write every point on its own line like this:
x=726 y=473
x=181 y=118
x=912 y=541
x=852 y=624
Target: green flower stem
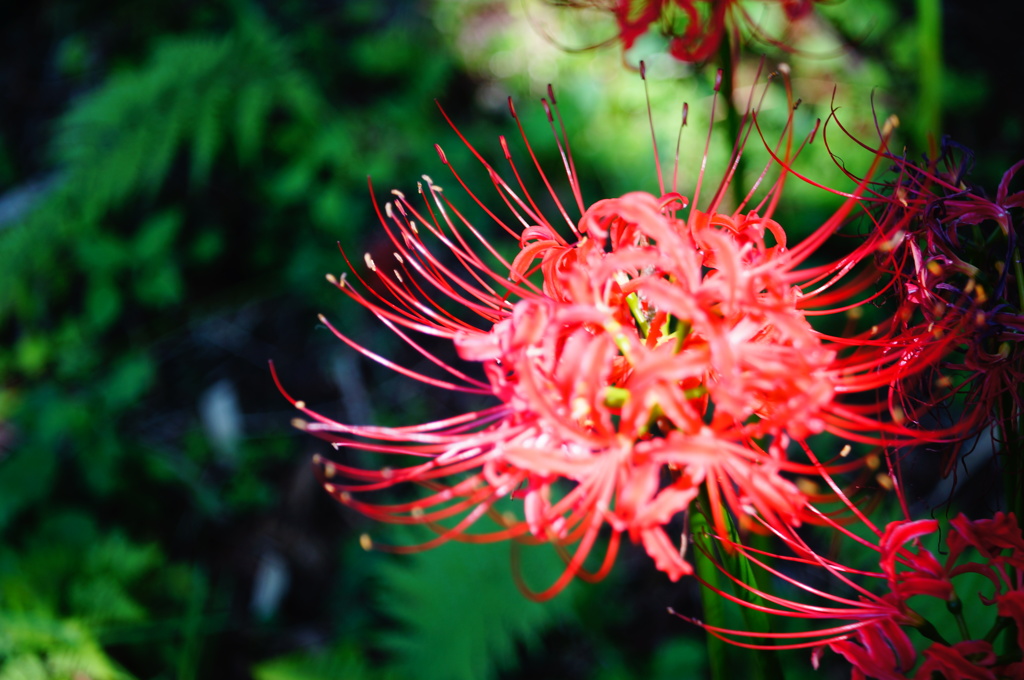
x=732 y=119
x=714 y=611
x=998 y=627
x=682 y=331
x=956 y=608
x=642 y=324
x=708 y=555
x=929 y=73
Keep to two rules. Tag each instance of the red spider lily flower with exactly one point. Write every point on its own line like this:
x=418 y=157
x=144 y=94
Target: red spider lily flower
x=644 y=351
x=695 y=28
x=967 y=660
x=870 y=626
x=958 y=254
x=881 y=650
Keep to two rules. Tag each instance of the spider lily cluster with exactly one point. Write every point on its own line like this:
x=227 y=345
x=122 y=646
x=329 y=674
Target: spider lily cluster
x=656 y=355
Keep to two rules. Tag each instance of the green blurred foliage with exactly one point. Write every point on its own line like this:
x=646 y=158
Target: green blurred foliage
x=344 y=661
x=70 y=589
x=489 y=628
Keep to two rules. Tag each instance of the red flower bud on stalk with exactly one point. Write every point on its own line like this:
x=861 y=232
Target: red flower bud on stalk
x=636 y=350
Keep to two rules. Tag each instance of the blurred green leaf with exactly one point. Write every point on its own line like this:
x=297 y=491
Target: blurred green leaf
x=248 y=491
x=32 y=353
x=24 y=667
x=25 y=478
x=254 y=105
x=103 y=598
x=329 y=208
x=209 y=134
x=460 y=614
x=682 y=657
x=207 y=246
x=75 y=359
x=125 y=560
x=103 y=252
x=102 y=303
x=160 y=285
x=156 y=236
x=36 y=643
x=344 y=661
x=42 y=647
x=127 y=380
x=294 y=182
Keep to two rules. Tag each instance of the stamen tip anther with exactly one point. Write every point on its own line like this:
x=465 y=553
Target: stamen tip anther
x=891 y=123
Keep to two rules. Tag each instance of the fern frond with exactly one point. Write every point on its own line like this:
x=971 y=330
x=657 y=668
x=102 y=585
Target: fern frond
x=45 y=647
x=345 y=661
x=459 y=612
x=193 y=96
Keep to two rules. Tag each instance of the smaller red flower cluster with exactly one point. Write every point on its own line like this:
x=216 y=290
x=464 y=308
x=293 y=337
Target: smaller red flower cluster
x=884 y=650
x=958 y=254
x=695 y=28
x=875 y=634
